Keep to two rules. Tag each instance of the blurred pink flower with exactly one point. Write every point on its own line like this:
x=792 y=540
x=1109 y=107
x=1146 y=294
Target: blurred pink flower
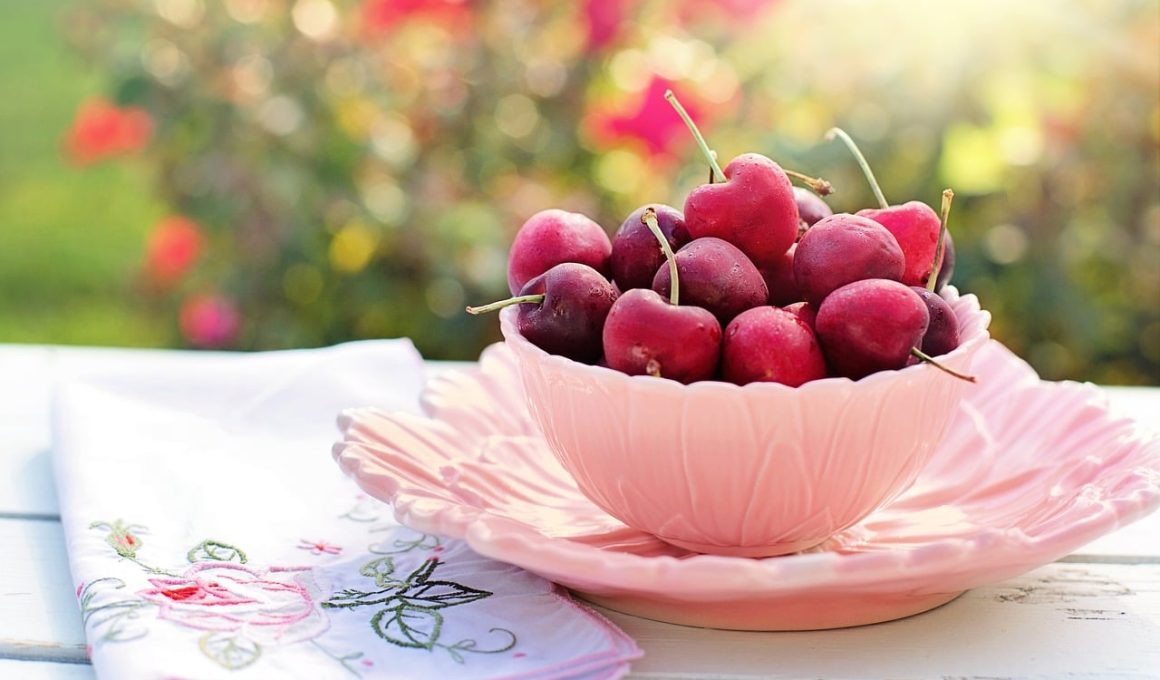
x=173 y=247
x=380 y=16
x=209 y=321
x=735 y=12
x=605 y=20
x=650 y=120
x=102 y=130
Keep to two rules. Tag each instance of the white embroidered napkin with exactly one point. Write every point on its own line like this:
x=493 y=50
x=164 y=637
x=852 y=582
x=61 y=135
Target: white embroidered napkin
x=211 y=535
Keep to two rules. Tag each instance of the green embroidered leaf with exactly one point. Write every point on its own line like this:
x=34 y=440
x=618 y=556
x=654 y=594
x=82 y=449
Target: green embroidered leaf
x=439 y=594
x=351 y=598
x=229 y=651
x=422 y=572
x=381 y=570
x=215 y=551
x=109 y=614
x=407 y=626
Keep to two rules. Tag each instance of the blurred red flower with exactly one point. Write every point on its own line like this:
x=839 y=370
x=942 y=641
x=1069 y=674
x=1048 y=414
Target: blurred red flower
x=380 y=16
x=102 y=130
x=173 y=247
x=650 y=120
x=209 y=320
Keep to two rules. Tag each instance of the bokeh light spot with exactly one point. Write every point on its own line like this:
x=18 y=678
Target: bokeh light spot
x=516 y=115
x=352 y=247
x=1005 y=244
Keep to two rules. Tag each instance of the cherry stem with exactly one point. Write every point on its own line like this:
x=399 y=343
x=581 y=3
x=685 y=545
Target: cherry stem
x=519 y=299
x=932 y=280
x=816 y=184
x=926 y=358
x=862 y=163
x=714 y=168
x=649 y=218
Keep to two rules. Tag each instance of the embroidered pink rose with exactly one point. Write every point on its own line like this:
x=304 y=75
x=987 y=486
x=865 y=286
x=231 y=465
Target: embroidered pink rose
x=268 y=606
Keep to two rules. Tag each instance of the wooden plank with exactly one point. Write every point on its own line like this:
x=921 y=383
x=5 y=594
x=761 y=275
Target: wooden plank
x=25 y=470
x=44 y=670
x=39 y=618
x=1060 y=621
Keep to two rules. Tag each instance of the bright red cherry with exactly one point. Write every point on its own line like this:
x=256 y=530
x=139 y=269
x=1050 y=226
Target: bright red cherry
x=553 y=236
x=767 y=344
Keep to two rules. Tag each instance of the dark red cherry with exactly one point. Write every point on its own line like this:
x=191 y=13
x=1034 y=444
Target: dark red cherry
x=779 y=279
x=636 y=255
x=942 y=334
x=562 y=311
x=715 y=275
x=870 y=326
x=811 y=207
x=841 y=249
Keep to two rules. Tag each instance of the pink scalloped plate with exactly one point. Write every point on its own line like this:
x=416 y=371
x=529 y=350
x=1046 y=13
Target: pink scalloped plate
x=1029 y=472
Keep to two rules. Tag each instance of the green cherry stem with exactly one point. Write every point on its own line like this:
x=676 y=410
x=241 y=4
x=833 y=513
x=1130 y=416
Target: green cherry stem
x=862 y=163
x=926 y=358
x=932 y=279
x=484 y=309
x=649 y=218
x=715 y=169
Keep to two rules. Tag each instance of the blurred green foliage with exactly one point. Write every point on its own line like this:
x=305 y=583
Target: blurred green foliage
x=359 y=169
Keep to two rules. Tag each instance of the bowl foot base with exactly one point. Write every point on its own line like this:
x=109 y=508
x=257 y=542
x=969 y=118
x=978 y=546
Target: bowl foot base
x=746 y=551
x=789 y=612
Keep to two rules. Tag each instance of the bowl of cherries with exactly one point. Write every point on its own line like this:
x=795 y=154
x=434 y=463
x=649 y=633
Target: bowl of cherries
x=749 y=375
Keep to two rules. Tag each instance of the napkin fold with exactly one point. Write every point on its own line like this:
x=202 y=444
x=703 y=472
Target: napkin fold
x=210 y=535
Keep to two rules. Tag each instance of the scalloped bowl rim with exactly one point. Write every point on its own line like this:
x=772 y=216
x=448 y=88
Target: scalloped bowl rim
x=976 y=334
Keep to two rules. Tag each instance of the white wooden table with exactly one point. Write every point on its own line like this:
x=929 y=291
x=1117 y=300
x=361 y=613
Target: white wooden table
x=1094 y=614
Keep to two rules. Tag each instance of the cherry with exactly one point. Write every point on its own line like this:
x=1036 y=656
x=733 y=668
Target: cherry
x=915 y=225
x=753 y=209
x=714 y=275
x=841 y=249
x=752 y=206
x=635 y=254
x=553 y=236
x=870 y=325
x=942 y=334
x=806 y=312
x=562 y=311
x=811 y=208
x=646 y=335
x=779 y=279
x=767 y=344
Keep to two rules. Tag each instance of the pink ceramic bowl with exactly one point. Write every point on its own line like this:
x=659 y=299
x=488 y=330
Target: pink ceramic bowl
x=751 y=471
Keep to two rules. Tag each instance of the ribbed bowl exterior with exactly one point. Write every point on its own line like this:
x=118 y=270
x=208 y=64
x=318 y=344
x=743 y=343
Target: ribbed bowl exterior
x=757 y=470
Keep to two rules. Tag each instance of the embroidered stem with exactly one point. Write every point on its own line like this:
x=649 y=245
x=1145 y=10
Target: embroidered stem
x=343 y=660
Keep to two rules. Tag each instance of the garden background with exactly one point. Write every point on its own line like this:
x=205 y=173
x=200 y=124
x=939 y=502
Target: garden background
x=258 y=174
